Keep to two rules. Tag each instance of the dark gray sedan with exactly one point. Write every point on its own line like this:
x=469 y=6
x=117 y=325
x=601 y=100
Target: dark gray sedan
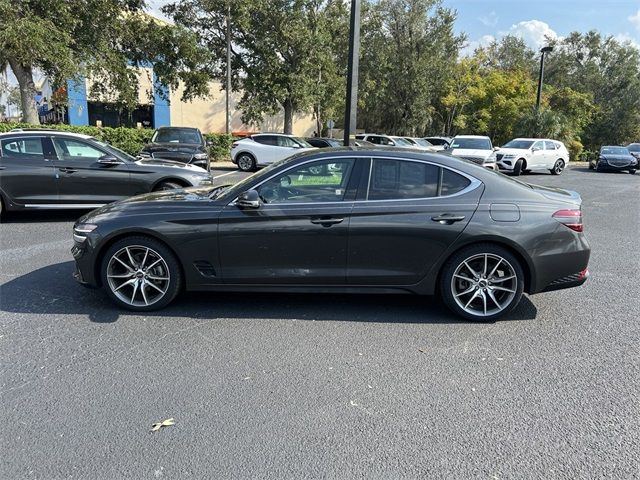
x=614 y=158
x=342 y=220
x=54 y=169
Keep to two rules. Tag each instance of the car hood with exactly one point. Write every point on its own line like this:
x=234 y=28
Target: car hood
x=626 y=158
x=558 y=194
x=162 y=162
x=176 y=198
x=471 y=152
x=172 y=147
x=514 y=151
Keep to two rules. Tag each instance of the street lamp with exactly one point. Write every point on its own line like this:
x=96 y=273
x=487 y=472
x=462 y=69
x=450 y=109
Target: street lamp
x=351 y=104
x=540 y=77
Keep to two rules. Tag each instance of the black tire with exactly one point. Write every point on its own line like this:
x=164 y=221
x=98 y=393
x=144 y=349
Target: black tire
x=501 y=275
x=517 y=168
x=632 y=172
x=558 y=167
x=171 y=286
x=246 y=162
x=169 y=185
x=591 y=167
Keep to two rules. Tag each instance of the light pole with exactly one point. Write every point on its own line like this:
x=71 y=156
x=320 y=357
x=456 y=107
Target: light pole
x=541 y=76
x=228 y=92
x=351 y=104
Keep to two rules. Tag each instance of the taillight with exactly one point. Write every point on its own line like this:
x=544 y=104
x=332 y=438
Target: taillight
x=571 y=219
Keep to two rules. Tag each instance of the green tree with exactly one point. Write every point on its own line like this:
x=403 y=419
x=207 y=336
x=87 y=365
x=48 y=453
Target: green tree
x=409 y=49
x=101 y=39
x=285 y=53
x=606 y=70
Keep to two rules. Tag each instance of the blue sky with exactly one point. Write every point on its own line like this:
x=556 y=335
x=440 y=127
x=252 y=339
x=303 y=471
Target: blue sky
x=482 y=20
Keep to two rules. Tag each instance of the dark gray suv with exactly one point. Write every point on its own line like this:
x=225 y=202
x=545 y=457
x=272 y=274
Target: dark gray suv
x=53 y=169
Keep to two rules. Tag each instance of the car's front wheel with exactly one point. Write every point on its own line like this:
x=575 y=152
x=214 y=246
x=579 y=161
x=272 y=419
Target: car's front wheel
x=517 y=167
x=558 y=167
x=141 y=274
x=482 y=282
x=246 y=162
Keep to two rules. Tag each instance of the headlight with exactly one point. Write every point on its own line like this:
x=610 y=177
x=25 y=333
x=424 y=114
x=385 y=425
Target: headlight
x=144 y=155
x=81 y=230
x=202 y=180
x=201 y=156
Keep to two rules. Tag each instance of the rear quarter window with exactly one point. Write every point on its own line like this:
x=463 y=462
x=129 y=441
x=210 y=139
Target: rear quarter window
x=453 y=182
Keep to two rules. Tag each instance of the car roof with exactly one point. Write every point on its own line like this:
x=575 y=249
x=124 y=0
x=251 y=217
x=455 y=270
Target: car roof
x=470 y=136
x=37 y=132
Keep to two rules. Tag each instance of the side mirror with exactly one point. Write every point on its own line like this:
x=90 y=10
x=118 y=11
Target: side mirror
x=495 y=149
x=248 y=199
x=109 y=160
x=209 y=143
x=535 y=149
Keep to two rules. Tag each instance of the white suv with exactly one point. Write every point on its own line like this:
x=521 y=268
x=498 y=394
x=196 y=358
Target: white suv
x=525 y=154
x=475 y=148
x=263 y=149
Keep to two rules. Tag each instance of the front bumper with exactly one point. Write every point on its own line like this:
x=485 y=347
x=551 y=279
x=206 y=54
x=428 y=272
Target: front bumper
x=605 y=165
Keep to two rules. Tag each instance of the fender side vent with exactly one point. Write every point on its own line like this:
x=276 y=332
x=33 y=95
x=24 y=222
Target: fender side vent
x=205 y=268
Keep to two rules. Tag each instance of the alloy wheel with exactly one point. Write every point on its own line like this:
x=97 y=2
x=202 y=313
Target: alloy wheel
x=245 y=162
x=484 y=284
x=138 y=275
x=558 y=167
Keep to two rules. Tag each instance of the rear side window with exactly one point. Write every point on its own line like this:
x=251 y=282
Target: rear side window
x=266 y=139
x=398 y=179
x=452 y=182
x=402 y=179
x=22 y=148
x=550 y=145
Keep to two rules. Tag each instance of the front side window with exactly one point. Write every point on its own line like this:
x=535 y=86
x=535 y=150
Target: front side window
x=399 y=179
x=538 y=146
x=322 y=181
x=22 y=147
x=68 y=149
x=518 y=144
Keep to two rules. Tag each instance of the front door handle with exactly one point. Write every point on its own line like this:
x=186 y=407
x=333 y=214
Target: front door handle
x=326 y=221
x=67 y=169
x=447 y=218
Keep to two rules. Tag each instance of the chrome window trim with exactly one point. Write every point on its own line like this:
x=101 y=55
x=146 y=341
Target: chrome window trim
x=475 y=183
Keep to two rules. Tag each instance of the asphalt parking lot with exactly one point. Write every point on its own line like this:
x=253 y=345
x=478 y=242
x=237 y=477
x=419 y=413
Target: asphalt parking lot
x=339 y=386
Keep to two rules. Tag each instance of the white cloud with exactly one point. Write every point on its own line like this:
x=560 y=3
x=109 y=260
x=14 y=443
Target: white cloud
x=471 y=45
x=490 y=20
x=626 y=38
x=635 y=19
x=534 y=32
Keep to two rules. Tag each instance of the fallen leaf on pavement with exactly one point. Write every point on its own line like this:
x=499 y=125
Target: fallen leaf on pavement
x=165 y=423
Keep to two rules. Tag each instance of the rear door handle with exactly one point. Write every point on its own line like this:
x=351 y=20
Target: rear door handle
x=447 y=218
x=326 y=221
x=67 y=169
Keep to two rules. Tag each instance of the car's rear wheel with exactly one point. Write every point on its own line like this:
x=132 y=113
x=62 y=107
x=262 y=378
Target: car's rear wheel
x=482 y=282
x=558 y=167
x=517 y=167
x=141 y=274
x=162 y=186
x=246 y=162
x=591 y=167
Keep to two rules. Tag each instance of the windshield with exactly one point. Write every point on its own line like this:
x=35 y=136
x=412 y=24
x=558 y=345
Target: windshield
x=402 y=142
x=471 y=143
x=302 y=142
x=116 y=151
x=634 y=147
x=519 y=144
x=614 y=151
x=422 y=142
x=176 y=135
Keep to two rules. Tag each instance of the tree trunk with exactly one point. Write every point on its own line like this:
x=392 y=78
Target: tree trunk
x=24 y=75
x=288 y=116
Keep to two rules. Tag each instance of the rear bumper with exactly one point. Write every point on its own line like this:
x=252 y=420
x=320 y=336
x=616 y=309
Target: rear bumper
x=569 y=281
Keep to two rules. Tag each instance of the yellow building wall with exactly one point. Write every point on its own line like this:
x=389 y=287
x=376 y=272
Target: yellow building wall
x=209 y=115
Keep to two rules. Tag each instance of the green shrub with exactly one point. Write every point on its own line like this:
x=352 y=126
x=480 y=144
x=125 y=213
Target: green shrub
x=131 y=140
x=220 y=148
x=575 y=149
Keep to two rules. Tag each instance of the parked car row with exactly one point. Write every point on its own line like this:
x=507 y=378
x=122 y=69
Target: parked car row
x=42 y=168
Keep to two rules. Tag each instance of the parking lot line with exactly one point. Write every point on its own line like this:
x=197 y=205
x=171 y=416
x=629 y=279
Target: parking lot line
x=225 y=174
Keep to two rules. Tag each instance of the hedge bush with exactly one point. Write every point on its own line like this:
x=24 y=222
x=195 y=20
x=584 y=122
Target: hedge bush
x=131 y=140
